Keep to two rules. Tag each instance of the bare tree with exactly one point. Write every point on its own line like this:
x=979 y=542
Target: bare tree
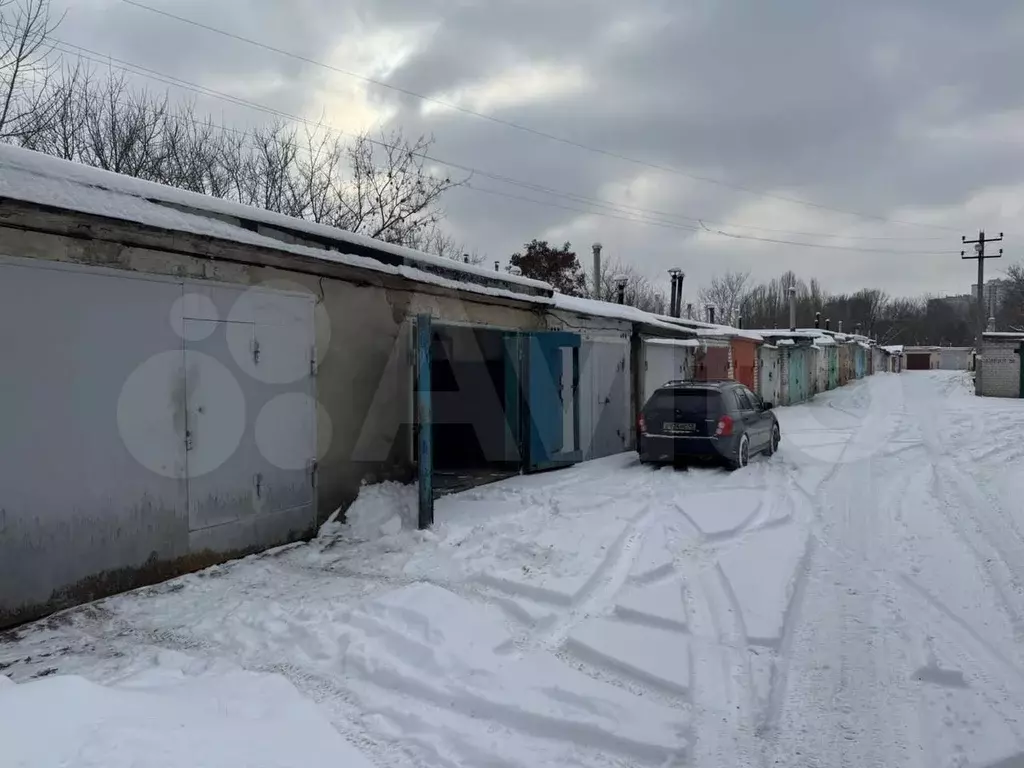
x=1010 y=316
x=437 y=242
x=377 y=187
x=640 y=292
x=725 y=294
x=26 y=66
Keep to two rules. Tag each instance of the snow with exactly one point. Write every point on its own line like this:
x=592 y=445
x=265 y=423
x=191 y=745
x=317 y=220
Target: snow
x=853 y=600
x=655 y=604
x=380 y=510
x=33 y=177
x=653 y=655
x=168 y=719
x=761 y=571
x=594 y=308
x=722 y=513
x=673 y=342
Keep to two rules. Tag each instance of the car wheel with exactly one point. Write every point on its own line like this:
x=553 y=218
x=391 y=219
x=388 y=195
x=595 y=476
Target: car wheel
x=742 y=453
x=773 y=444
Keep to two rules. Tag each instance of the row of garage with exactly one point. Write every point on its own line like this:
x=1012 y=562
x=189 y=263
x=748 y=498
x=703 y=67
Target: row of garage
x=208 y=380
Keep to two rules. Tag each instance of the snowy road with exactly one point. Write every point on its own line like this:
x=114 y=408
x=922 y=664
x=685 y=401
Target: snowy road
x=857 y=600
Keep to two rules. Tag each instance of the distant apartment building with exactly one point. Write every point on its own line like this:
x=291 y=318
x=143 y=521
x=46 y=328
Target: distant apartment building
x=993 y=295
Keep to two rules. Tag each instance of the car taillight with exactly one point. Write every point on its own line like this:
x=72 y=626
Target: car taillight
x=641 y=425
x=724 y=427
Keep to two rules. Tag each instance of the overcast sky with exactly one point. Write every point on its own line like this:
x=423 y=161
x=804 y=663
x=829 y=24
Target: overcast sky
x=909 y=111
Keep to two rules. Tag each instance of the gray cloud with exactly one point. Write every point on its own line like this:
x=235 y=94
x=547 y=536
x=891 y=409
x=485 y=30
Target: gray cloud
x=837 y=103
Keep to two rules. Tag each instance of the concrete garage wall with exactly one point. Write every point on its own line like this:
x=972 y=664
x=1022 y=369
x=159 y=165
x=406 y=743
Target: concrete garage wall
x=109 y=505
x=955 y=358
x=133 y=392
x=1000 y=365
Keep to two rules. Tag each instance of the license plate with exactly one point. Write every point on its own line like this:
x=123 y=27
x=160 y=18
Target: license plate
x=679 y=428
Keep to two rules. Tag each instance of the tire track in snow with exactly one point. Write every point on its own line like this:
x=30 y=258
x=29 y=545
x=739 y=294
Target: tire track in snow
x=600 y=591
x=991 y=532
x=824 y=699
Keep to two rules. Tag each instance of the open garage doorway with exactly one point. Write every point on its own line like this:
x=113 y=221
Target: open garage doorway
x=475 y=407
x=497 y=403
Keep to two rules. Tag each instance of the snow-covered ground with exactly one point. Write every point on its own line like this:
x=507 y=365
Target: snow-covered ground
x=857 y=600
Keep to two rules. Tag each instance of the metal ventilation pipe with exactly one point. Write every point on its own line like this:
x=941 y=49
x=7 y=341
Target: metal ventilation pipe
x=792 y=308
x=597 y=270
x=828 y=323
x=673 y=298
x=817 y=319
x=711 y=314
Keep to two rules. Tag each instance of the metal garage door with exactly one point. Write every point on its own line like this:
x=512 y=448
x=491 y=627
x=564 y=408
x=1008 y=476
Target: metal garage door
x=604 y=396
x=136 y=431
x=919 y=362
x=666 y=360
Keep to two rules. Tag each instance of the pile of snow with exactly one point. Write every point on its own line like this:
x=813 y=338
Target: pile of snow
x=381 y=510
x=161 y=720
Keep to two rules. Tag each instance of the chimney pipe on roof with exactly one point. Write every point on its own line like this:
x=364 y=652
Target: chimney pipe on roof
x=620 y=290
x=828 y=323
x=817 y=319
x=739 y=322
x=840 y=326
x=689 y=311
x=597 y=271
x=711 y=315
x=673 y=301
x=497 y=267
x=792 y=307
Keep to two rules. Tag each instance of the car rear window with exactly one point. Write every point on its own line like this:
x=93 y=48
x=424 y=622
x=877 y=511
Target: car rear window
x=696 y=402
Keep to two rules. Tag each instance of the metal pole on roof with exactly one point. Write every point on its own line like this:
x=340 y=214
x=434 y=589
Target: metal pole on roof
x=497 y=266
x=620 y=290
x=676 y=303
x=597 y=271
x=817 y=319
x=792 y=307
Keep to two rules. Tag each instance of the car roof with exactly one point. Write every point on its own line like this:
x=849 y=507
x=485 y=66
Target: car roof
x=714 y=384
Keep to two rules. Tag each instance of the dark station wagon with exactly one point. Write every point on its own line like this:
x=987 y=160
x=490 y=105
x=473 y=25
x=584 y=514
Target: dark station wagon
x=710 y=420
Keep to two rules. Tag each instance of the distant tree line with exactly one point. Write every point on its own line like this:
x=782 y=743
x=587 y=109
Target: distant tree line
x=891 y=320
x=375 y=185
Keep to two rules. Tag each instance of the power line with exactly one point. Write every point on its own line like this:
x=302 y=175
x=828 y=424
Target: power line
x=827 y=246
x=632 y=213
x=519 y=126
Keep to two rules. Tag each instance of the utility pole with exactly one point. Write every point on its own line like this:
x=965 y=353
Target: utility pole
x=980 y=255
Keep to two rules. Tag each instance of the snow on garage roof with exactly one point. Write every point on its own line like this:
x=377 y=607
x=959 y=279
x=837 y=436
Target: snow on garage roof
x=32 y=177
x=1003 y=335
x=35 y=178
x=597 y=308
